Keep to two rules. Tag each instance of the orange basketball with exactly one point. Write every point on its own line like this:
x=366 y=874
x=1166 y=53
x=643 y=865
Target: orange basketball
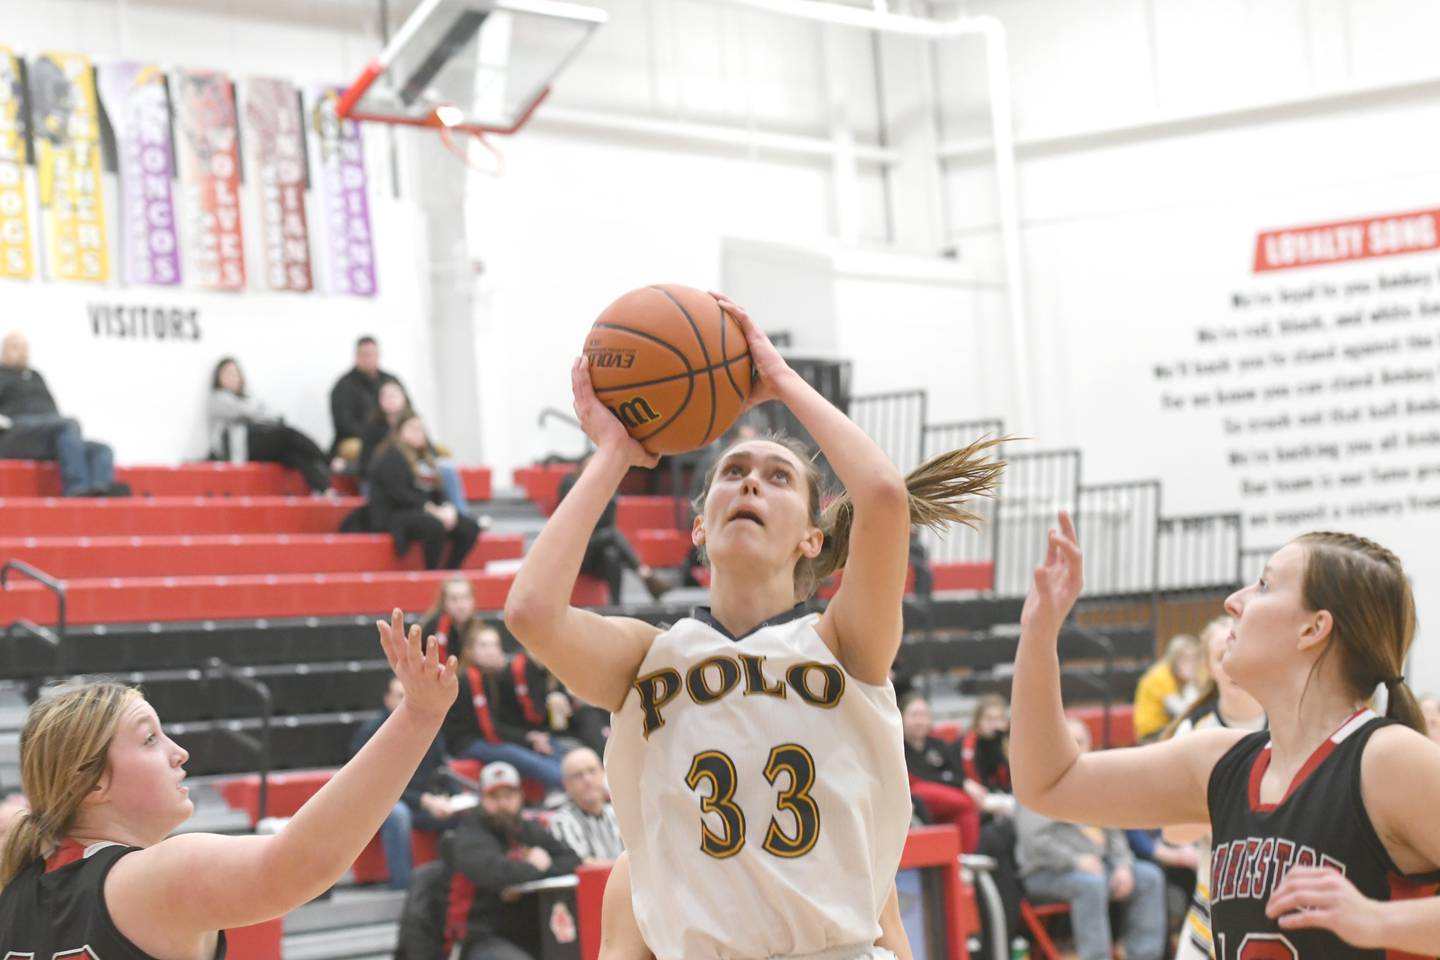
x=671 y=364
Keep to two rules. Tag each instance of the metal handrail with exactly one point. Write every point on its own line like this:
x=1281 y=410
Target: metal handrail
x=56 y=587
x=980 y=867
x=260 y=747
x=557 y=414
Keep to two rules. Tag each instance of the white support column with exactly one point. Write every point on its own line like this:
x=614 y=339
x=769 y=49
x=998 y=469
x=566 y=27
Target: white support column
x=845 y=173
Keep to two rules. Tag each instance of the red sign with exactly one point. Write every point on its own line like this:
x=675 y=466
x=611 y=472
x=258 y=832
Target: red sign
x=1322 y=243
x=207 y=141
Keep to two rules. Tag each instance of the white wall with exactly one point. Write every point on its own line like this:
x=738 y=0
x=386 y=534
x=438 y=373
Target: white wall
x=145 y=396
x=1156 y=139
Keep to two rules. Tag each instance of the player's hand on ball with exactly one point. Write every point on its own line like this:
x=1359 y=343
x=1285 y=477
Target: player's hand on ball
x=602 y=427
x=1058 y=581
x=770 y=368
x=1323 y=898
x=429 y=684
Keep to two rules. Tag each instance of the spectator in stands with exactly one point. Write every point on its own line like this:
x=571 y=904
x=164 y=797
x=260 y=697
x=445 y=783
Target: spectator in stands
x=1177 y=862
x=936 y=776
x=1088 y=868
x=985 y=748
x=1167 y=688
x=609 y=553
x=586 y=821
x=406 y=500
x=484 y=723
x=235 y=419
x=31 y=428
x=1430 y=708
x=452 y=620
x=353 y=400
x=491 y=850
x=947 y=795
x=427 y=803
x=393 y=404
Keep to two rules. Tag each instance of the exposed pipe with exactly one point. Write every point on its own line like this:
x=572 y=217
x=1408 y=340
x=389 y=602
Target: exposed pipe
x=565 y=118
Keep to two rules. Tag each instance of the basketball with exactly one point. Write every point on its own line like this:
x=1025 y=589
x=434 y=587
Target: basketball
x=671 y=364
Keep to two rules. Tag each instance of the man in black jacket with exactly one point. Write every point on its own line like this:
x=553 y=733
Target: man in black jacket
x=31 y=428
x=355 y=398
x=427 y=803
x=492 y=849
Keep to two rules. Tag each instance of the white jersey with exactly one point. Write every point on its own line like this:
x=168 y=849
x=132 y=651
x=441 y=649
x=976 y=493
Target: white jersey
x=761 y=792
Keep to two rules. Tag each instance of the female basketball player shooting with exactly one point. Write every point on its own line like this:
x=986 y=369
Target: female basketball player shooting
x=88 y=871
x=1323 y=827
x=755 y=762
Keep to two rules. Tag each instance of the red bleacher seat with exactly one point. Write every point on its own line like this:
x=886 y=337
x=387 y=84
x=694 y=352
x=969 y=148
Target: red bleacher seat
x=635 y=513
x=219 y=554
x=28 y=478
x=661 y=548
x=542 y=484
x=246 y=597
x=963 y=576
x=174 y=516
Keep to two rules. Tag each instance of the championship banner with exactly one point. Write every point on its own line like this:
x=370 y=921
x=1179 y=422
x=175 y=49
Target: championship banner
x=65 y=125
x=17 y=256
x=341 y=158
x=208 y=147
x=138 y=105
x=276 y=127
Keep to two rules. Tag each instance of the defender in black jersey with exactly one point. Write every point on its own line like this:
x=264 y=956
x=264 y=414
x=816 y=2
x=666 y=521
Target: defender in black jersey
x=56 y=908
x=1320 y=822
x=90 y=871
x=1325 y=841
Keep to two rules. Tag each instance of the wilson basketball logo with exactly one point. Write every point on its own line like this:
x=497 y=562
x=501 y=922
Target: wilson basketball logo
x=635 y=412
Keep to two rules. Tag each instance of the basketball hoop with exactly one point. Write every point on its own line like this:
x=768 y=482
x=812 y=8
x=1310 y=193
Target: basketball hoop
x=475 y=67
x=447 y=120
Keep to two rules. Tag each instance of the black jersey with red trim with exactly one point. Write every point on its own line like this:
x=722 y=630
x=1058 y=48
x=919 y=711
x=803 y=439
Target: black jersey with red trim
x=1321 y=821
x=55 y=909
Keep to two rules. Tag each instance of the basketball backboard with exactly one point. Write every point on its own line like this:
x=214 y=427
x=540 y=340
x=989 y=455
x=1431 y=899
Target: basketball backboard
x=480 y=66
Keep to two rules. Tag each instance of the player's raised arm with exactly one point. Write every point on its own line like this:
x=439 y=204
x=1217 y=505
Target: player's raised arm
x=207 y=882
x=1149 y=786
x=864 y=621
x=595 y=657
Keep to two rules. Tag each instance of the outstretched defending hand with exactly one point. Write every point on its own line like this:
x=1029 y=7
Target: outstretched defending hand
x=1058 y=581
x=429 y=685
x=601 y=425
x=769 y=366
x=1321 y=897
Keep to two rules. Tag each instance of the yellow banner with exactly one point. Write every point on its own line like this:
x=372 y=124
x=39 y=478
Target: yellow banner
x=17 y=256
x=66 y=129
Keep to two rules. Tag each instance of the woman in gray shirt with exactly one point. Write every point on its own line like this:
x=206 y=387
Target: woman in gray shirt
x=242 y=428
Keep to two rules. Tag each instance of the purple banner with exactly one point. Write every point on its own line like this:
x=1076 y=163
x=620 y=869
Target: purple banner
x=340 y=155
x=135 y=97
x=277 y=126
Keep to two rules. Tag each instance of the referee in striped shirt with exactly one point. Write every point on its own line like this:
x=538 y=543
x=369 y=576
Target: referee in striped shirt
x=586 y=821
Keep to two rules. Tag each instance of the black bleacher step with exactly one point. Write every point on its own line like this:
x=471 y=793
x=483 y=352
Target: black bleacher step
x=114 y=648
x=296 y=688
x=981 y=652
x=971 y=613
x=296 y=742
x=1074 y=688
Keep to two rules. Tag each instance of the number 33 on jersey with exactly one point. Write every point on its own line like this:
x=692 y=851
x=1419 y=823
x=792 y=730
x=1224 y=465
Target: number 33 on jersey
x=754 y=778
